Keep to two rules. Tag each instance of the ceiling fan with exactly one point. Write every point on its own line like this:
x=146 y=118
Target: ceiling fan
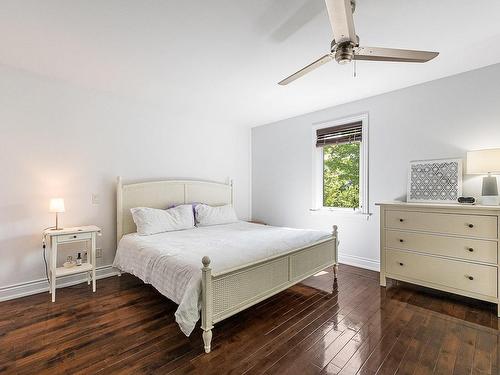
x=345 y=45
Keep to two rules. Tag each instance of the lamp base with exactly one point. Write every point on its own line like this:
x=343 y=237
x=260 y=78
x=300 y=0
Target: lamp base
x=489 y=186
x=57 y=223
x=490 y=200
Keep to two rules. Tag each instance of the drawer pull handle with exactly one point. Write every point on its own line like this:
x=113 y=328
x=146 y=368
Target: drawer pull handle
x=471 y=225
x=470 y=249
x=401 y=264
x=469 y=277
x=401 y=240
x=401 y=220
x=74 y=236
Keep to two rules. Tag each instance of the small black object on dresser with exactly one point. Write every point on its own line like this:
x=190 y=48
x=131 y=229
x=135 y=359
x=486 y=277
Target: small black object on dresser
x=466 y=200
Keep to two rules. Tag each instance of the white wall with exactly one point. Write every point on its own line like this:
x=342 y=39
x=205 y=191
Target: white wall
x=439 y=119
x=61 y=140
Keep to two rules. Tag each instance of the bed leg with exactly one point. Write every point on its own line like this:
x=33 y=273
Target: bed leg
x=207 y=302
x=207 y=340
x=335 y=233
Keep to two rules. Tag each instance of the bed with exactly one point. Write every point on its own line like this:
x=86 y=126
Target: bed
x=241 y=263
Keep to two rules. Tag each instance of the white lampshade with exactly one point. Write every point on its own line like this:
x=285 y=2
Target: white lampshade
x=56 y=205
x=483 y=161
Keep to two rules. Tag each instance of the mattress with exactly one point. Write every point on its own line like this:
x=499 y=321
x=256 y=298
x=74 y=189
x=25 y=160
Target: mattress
x=171 y=261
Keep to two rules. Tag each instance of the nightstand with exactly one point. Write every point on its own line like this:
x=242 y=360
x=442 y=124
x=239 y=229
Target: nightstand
x=71 y=235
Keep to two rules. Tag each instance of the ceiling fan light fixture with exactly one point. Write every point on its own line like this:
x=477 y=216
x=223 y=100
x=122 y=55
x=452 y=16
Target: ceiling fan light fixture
x=343 y=60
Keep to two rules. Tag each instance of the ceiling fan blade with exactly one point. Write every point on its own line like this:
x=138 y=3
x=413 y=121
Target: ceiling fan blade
x=307 y=69
x=341 y=20
x=392 y=54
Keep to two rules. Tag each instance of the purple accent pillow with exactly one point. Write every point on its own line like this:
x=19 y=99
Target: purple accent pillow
x=194 y=204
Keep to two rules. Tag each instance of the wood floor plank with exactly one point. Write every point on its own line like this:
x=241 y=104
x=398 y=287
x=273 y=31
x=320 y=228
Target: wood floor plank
x=384 y=321
x=298 y=351
x=482 y=362
x=383 y=347
x=322 y=320
x=465 y=356
x=245 y=356
x=394 y=357
x=448 y=352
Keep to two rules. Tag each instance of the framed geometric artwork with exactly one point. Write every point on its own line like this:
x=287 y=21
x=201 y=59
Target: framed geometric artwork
x=435 y=181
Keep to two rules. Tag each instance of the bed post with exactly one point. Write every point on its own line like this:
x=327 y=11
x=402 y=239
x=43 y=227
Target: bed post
x=119 y=213
x=207 y=301
x=231 y=184
x=119 y=209
x=335 y=234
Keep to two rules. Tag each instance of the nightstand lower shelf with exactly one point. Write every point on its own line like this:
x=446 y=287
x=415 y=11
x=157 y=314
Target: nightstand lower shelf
x=63 y=271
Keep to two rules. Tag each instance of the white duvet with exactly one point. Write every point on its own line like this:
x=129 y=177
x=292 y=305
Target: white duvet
x=171 y=261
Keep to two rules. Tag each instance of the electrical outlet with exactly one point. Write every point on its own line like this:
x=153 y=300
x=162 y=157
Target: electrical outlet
x=95 y=198
x=98 y=253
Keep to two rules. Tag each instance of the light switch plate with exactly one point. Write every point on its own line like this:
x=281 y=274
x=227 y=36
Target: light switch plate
x=95 y=198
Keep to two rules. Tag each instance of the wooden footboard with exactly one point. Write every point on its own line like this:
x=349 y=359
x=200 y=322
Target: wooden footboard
x=229 y=292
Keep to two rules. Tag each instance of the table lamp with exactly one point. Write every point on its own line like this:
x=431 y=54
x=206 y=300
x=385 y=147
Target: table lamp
x=486 y=162
x=56 y=206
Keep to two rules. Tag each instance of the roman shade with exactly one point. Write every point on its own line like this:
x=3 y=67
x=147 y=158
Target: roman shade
x=334 y=135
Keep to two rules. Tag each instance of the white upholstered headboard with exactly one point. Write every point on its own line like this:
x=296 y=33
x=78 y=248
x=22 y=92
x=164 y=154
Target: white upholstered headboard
x=165 y=193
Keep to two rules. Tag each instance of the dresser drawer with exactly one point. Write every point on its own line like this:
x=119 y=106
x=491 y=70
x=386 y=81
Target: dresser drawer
x=74 y=237
x=482 y=226
x=469 y=277
x=463 y=248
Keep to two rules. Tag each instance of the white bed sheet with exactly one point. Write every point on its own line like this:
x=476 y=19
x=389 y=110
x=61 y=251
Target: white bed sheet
x=171 y=261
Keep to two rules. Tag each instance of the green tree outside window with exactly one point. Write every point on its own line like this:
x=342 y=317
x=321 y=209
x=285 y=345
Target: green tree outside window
x=341 y=175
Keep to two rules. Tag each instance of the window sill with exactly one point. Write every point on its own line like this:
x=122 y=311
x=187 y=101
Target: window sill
x=338 y=212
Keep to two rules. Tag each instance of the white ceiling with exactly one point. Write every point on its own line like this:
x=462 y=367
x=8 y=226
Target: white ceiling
x=222 y=59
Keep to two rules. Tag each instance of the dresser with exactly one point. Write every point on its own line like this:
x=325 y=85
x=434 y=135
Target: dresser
x=449 y=247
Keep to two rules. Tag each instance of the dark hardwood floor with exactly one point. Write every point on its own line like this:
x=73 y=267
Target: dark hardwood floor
x=127 y=327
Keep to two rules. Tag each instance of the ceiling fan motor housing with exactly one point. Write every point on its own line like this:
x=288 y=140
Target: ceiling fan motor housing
x=344 y=51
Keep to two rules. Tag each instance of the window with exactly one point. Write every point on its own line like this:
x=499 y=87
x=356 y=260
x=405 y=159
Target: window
x=341 y=175
x=341 y=165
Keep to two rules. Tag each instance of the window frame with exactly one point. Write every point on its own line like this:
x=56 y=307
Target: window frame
x=317 y=167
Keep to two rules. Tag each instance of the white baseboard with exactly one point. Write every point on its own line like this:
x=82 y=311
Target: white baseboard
x=361 y=262
x=39 y=286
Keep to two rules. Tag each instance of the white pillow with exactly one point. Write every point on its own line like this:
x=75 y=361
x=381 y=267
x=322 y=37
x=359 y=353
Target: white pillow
x=153 y=220
x=208 y=215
